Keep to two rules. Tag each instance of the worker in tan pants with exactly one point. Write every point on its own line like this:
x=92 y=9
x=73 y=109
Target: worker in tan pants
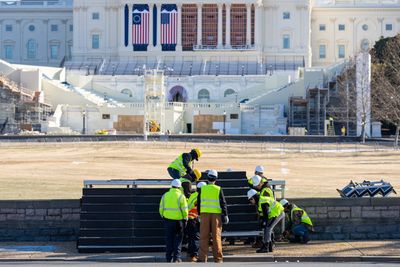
x=213 y=212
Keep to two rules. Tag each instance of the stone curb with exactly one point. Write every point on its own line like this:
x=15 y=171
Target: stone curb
x=159 y=259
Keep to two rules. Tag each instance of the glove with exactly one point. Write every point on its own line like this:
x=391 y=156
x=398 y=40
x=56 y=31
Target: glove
x=225 y=219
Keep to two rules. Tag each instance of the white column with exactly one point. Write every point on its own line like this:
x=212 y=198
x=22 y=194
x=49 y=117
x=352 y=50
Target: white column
x=150 y=47
x=258 y=27
x=199 y=23
x=85 y=30
x=179 y=36
x=121 y=28
x=333 y=20
x=130 y=19
x=158 y=46
x=219 y=45
x=107 y=25
x=248 y=24
x=228 y=26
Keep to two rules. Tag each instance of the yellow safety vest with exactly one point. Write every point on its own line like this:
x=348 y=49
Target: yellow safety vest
x=173 y=205
x=267 y=192
x=209 y=199
x=177 y=164
x=274 y=207
x=192 y=203
x=304 y=217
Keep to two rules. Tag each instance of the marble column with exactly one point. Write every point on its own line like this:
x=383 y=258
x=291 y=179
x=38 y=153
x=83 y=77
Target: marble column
x=219 y=45
x=228 y=26
x=248 y=24
x=179 y=27
x=199 y=23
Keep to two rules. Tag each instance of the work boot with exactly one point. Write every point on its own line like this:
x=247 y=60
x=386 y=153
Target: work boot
x=263 y=249
x=270 y=246
x=257 y=244
x=193 y=259
x=304 y=239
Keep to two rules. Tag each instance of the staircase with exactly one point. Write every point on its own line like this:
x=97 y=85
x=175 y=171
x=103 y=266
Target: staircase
x=127 y=219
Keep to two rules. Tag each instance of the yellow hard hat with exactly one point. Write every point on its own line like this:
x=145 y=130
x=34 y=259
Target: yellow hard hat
x=198 y=152
x=197 y=173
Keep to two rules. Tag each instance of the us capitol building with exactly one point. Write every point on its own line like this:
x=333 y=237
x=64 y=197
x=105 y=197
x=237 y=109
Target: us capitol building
x=243 y=61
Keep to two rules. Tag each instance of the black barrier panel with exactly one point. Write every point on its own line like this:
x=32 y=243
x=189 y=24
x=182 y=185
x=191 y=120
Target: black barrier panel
x=109 y=216
x=243 y=217
x=236 y=175
x=148 y=232
x=106 y=224
x=120 y=199
x=236 y=200
x=241 y=208
x=107 y=208
x=148 y=223
x=108 y=191
x=232 y=183
x=105 y=241
x=106 y=232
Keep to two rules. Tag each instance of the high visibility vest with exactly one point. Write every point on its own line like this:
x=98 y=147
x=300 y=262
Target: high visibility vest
x=209 y=199
x=192 y=204
x=177 y=164
x=250 y=181
x=267 y=192
x=173 y=205
x=274 y=207
x=304 y=217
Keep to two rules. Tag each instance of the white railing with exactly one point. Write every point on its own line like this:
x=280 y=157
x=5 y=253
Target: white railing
x=41 y=4
x=356 y=3
x=225 y=47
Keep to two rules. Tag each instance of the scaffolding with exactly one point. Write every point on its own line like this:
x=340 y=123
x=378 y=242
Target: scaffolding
x=317 y=99
x=154 y=102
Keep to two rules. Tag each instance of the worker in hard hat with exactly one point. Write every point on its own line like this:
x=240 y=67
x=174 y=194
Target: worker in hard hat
x=213 y=212
x=187 y=184
x=271 y=213
x=299 y=225
x=193 y=226
x=182 y=166
x=174 y=211
x=262 y=186
x=260 y=172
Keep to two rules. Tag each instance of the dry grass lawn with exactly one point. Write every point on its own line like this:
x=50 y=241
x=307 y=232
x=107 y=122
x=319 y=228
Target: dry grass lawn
x=57 y=170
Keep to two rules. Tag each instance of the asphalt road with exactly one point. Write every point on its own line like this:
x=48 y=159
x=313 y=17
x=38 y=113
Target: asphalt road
x=237 y=264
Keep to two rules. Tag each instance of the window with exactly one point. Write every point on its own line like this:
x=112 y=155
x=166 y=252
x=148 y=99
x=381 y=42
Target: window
x=203 y=94
x=286 y=41
x=286 y=15
x=341 y=51
x=31 y=49
x=341 y=27
x=234 y=116
x=95 y=41
x=54 y=51
x=8 y=51
x=365 y=27
x=388 y=27
x=229 y=92
x=95 y=16
x=54 y=28
x=106 y=116
x=322 y=27
x=71 y=28
x=9 y=28
x=322 y=51
x=31 y=28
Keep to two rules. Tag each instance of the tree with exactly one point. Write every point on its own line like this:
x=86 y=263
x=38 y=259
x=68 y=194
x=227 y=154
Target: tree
x=386 y=82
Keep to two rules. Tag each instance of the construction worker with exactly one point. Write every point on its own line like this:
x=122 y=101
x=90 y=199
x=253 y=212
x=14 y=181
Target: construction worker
x=193 y=226
x=343 y=130
x=174 y=211
x=262 y=186
x=299 y=224
x=260 y=172
x=187 y=184
x=213 y=212
x=182 y=166
x=271 y=213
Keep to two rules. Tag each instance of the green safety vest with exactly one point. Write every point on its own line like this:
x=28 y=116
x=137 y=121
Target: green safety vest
x=209 y=199
x=177 y=164
x=192 y=200
x=173 y=205
x=267 y=192
x=304 y=218
x=275 y=208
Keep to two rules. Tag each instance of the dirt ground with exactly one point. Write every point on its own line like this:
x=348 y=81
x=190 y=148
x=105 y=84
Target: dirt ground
x=57 y=170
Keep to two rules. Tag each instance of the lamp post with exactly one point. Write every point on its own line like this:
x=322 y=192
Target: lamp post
x=84 y=122
x=224 y=129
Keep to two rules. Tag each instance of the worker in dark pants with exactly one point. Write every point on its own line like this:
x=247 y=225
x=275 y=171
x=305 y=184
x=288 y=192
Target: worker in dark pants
x=174 y=211
x=183 y=165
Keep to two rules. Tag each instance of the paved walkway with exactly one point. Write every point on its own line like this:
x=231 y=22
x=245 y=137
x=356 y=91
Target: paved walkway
x=328 y=251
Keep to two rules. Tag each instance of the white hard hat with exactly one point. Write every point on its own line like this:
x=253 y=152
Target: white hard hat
x=213 y=174
x=283 y=202
x=176 y=183
x=199 y=185
x=260 y=168
x=256 y=180
x=251 y=193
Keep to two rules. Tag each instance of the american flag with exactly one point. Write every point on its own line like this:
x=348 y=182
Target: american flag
x=140 y=27
x=169 y=24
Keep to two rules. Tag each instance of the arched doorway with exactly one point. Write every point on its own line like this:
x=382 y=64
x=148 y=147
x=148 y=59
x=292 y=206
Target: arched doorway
x=177 y=94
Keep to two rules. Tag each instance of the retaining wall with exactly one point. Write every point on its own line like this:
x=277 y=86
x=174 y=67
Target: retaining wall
x=334 y=218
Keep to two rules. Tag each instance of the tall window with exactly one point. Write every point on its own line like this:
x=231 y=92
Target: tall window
x=286 y=15
x=286 y=41
x=238 y=24
x=322 y=27
x=54 y=51
x=9 y=28
x=31 y=49
x=95 y=16
x=322 y=51
x=210 y=24
x=95 y=41
x=341 y=51
x=54 y=28
x=341 y=27
x=388 y=27
x=189 y=26
x=8 y=51
x=203 y=95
